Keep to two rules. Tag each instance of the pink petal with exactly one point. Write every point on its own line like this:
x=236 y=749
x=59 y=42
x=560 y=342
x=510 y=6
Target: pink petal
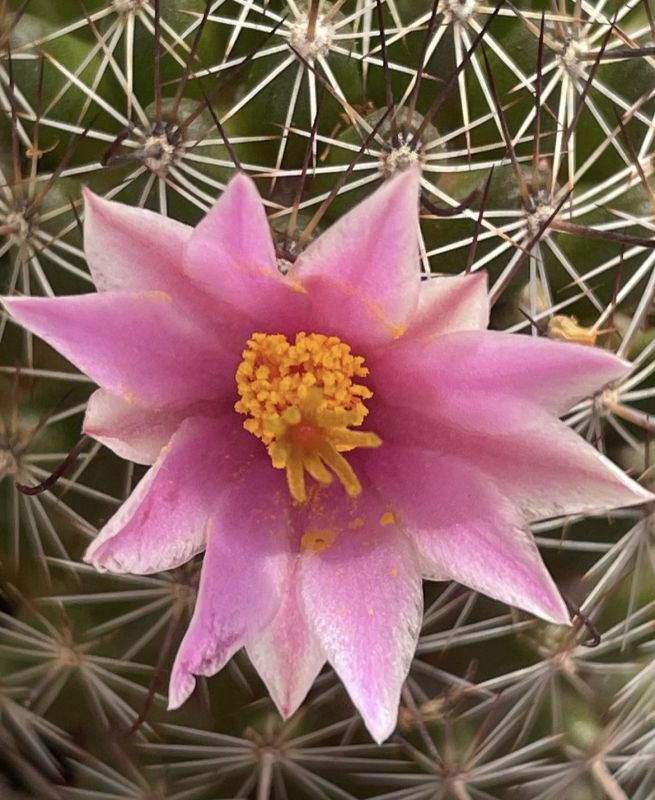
x=547 y=469
x=243 y=575
x=552 y=375
x=363 y=597
x=363 y=273
x=539 y=464
x=131 y=249
x=465 y=529
x=139 y=346
x=135 y=433
x=231 y=256
x=286 y=654
x=449 y=303
x=165 y=521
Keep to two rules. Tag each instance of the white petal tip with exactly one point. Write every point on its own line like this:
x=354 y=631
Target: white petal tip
x=181 y=688
x=8 y=302
x=95 y=564
x=643 y=495
x=174 y=703
x=380 y=734
x=558 y=619
x=631 y=494
x=94 y=203
x=382 y=726
x=107 y=562
x=90 y=557
x=288 y=707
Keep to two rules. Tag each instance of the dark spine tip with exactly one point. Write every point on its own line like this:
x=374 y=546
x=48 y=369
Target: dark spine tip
x=50 y=481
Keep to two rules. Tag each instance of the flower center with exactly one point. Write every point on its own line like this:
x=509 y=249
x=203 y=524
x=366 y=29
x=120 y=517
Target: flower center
x=301 y=400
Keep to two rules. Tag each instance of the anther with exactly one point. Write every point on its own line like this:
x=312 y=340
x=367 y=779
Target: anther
x=301 y=401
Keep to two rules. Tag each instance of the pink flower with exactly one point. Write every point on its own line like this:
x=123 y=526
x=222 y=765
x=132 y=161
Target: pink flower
x=381 y=435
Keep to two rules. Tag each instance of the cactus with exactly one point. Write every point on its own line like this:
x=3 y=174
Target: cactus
x=532 y=124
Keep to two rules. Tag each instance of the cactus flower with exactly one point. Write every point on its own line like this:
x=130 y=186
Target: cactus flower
x=328 y=437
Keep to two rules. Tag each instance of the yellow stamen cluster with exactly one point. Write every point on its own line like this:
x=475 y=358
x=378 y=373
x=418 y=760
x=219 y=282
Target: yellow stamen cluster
x=301 y=400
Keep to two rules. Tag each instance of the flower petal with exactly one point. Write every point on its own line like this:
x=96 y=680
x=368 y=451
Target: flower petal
x=243 y=574
x=231 y=256
x=135 y=433
x=552 y=375
x=286 y=654
x=537 y=462
x=548 y=470
x=363 y=273
x=131 y=249
x=139 y=346
x=363 y=596
x=465 y=529
x=165 y=520
x=449 y=303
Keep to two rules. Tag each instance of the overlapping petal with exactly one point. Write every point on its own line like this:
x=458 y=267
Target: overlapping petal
x=546 y=469
x=132 y=249
x=552 y=375
x=165 y=520
x=286 y=653
x=449 y=303
x=533 y=459
x=132 y=432
x=362 y=274
x=135 y=250
x=137 y=345
x=363 y=596
x=231 y=256
x=244 y=571
x=465 y=529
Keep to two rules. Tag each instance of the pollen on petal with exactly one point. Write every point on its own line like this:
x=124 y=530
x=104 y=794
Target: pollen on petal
x=155 y=294
x=319 y=540
x=302 y=399
x=388 y=518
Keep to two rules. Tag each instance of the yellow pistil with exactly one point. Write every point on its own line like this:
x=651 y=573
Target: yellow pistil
x=301 y=400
